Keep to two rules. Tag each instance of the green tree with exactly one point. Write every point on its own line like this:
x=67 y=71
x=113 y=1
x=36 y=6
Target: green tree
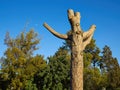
x=30 y=85
x=110 y=66
x=92 y=75
x=20 y=65
x=56 y=76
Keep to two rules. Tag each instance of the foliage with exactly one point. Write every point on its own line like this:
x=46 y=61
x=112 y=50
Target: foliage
x=22 y=70
x=19 y=64
x=110 y=66
x=30 y=86
x=56 y=76
x=92 y=75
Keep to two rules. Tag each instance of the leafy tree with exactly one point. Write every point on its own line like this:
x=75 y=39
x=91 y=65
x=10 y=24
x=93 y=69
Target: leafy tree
x=56 y=75
x=20 y=65
x=91 y=55
x=30 y=85
x=91 y=72
x=110 y=66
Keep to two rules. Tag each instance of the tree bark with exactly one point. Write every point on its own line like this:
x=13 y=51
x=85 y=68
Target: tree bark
x=76 y=51
x=79 y=40
x=76 y=63
x=61 y=36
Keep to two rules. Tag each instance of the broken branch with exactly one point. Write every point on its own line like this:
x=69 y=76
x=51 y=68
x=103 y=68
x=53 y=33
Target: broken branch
x=61 y=36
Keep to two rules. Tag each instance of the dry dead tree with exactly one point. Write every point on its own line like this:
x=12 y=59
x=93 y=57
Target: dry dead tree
x=79 y=40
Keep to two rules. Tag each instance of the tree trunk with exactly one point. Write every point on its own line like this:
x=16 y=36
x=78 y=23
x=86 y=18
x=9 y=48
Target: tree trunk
x=76 y=63
x=79 y=40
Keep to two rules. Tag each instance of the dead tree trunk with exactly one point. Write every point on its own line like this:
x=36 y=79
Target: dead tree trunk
x=79 y=40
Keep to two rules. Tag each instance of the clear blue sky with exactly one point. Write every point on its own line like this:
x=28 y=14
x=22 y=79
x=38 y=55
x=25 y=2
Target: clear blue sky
x=14 y=14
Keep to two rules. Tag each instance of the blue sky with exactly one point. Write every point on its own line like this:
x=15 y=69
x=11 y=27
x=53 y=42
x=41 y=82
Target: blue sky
x=105 y=14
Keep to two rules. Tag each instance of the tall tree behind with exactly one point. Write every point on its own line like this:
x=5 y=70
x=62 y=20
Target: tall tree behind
x=19 y=64
x=110 y=66
x=92 y=75
x=56 y=76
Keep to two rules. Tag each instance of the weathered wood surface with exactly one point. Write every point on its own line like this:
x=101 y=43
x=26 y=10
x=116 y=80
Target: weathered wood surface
x=78 y=40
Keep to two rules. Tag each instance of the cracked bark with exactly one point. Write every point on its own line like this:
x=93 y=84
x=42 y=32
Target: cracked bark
x=79 y=40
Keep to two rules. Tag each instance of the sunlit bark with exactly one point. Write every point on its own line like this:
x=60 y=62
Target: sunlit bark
x=79 y=40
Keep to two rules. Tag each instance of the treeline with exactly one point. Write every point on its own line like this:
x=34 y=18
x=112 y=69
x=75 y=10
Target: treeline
x=22 y=70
